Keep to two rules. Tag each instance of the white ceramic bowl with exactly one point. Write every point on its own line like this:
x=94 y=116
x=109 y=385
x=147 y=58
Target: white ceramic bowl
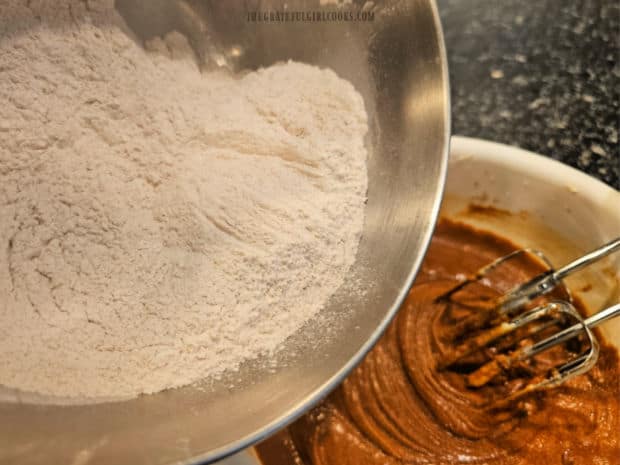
x=555 y=208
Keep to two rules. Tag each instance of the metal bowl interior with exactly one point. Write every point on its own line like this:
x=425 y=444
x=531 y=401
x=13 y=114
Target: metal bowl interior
x=397 y=62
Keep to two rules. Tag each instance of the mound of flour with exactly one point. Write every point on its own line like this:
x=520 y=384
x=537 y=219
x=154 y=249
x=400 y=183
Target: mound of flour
x=158 y=225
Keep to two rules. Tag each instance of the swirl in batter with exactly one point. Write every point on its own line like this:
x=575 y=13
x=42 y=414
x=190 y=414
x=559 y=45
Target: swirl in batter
x=398 y=408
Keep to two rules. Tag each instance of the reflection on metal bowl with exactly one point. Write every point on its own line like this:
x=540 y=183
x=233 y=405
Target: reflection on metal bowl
x=397 y=62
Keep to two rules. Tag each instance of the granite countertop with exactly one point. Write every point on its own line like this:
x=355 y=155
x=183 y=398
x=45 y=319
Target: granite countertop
x=541 y=75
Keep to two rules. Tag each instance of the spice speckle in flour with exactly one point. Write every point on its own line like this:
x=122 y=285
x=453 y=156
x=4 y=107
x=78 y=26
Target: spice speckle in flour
x=159 y=225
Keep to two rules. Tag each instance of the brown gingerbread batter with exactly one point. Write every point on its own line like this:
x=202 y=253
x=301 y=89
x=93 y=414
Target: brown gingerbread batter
x=398 y=408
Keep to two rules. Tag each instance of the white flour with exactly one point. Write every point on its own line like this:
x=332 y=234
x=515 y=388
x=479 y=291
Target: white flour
x=158 y=225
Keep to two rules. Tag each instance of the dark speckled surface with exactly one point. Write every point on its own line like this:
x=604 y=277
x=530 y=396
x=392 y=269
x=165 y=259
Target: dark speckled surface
x=543 y=75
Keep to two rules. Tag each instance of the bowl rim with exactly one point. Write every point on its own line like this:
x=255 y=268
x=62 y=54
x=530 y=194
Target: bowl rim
x=515 y=158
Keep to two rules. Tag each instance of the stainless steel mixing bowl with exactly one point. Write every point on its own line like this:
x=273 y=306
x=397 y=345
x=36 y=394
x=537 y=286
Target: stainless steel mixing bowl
x=397 y=62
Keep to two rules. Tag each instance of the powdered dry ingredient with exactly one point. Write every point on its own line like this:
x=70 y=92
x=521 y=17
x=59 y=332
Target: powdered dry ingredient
x=159 y=225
